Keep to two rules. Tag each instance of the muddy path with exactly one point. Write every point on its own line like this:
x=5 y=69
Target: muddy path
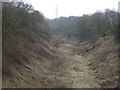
x=72 y=70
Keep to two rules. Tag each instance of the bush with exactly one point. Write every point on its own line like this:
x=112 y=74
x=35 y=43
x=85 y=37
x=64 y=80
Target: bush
x=21 y=25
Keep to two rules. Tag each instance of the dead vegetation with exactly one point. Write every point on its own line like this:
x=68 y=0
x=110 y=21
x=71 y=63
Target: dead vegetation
x=22 y=70
x=67 y=66
x=102 y=55
x=31 y=59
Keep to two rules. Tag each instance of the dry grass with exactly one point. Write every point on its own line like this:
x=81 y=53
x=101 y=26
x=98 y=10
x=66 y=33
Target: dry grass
x=103 y=60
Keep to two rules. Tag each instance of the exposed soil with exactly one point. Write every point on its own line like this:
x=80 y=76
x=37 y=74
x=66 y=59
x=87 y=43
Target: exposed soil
x=74 y=72
x=65 y=70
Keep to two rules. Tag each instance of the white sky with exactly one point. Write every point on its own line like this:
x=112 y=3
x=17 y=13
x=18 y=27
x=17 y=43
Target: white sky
x=71 y=7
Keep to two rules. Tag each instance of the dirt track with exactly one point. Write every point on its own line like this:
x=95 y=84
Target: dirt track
x=66 y=70
x=73 y=70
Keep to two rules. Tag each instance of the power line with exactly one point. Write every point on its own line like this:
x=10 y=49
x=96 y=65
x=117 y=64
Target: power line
x=56 y=12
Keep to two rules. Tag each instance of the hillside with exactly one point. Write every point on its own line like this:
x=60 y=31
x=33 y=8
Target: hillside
x=27 y=45
x=102 y=56
x=66 y=52
x=96 y=39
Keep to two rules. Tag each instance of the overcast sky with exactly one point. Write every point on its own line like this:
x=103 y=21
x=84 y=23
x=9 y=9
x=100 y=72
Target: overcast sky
x=71 y=7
